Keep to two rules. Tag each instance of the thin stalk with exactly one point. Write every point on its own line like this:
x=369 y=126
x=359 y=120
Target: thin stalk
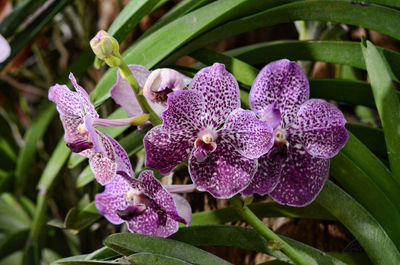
x=127 y=74
x=263 y=230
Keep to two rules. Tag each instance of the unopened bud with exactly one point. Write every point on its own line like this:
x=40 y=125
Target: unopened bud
x=104 y=45
x=160 y=83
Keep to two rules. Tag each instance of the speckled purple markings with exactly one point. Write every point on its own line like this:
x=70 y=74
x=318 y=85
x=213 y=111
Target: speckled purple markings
x=144 y=204
x=222 y=161
x=312 y=131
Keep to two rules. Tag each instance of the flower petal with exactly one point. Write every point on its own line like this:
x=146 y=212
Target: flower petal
x=5 y=49
x=67 y=101
x=103 y=164
x=185 y=112
x=183 y=207
x=220 y=91
x=251 y=137
x=321 y=127
x=122 y=158
x=153 y=189
x=302 y=177
x=123 y=95
x=281 y=82
x=166 y=150
x=224 y=173
x=113 y=199
x=84 y=98
x=266 y=178
x=153 y=222
x=70 y=124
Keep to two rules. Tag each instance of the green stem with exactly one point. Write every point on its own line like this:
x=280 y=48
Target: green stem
x=263 y=230
x=127 y=74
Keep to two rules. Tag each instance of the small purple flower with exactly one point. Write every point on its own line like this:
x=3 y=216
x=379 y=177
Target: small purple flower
x=144 y=204
x=78 y=116
x=307 y=134
x=206 y=124
x=156 y=85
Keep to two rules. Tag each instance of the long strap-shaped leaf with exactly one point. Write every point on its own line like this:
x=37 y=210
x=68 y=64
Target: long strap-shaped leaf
x=247 y=238
x=379 y=18
x=127 y=244
x=360 y=223
x=386 y=101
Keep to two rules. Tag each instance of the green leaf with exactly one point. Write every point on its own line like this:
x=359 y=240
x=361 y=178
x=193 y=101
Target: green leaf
x=247 y=238
x=151 y=50
x=262 y=210
x=387 y=102
x=373 y=138
x=77 y=220
x=352 y=258
x=155 y=259
x=102 y=253
x=127 y=244
x=129 y=17
x=368 y=232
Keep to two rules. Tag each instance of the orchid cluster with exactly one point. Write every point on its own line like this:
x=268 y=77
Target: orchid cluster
x=281 y=147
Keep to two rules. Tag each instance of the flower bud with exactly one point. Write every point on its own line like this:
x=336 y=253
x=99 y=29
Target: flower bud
x=104 y=45
x=161 y=82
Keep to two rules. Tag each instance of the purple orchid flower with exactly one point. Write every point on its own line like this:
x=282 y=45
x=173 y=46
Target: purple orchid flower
x=144 y=204
x=307 y=134
x=156 y=85
x=206 y=125
x=5 y=49
x=79 y=119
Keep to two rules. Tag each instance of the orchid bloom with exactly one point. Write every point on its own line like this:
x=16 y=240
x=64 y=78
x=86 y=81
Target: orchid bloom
x=5 y=49
x=206 y=125
x=307 y=134
x=79 y=119
x=144 y=204
x=156 y=85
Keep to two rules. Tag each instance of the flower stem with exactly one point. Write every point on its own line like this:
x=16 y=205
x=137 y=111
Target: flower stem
x=127 y=74
x=263 y=230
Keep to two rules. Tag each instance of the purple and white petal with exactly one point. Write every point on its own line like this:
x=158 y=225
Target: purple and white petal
x=266 y=178
x=153 y=189
x=93 y=133
x=183 y=207
x=5 y=49
x=220 y=91
x=281 y=82
x=123 y=95
x=104 y=164
x=321 y=126
x=84 y=98
x=113 y=199
x=70 y=124
x=67 y=101
x=302 y=177
x=224 y=173
x=185 y=112
x=166 y=150
x=153 y=222
x=251 y=137
x=122 y=158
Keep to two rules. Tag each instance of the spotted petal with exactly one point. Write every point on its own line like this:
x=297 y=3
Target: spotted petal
x=123 y=95
x=251 y=137
x=220 y=91
x=84 y=98
x=113 y=199
x=266 y=178
x=302 y=177
x=122 y=158
x=283 y=83
x=185 y=112
x=153 y=189
x=321 y=126
x=224 y=173
x=103 y=164
x=166 y=150
x=67 y=101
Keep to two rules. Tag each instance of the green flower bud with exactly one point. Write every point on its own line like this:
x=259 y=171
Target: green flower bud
x=104 y=45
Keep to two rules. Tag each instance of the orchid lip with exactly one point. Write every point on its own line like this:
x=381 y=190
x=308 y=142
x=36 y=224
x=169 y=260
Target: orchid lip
x=79 y=146
x=131 y=212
